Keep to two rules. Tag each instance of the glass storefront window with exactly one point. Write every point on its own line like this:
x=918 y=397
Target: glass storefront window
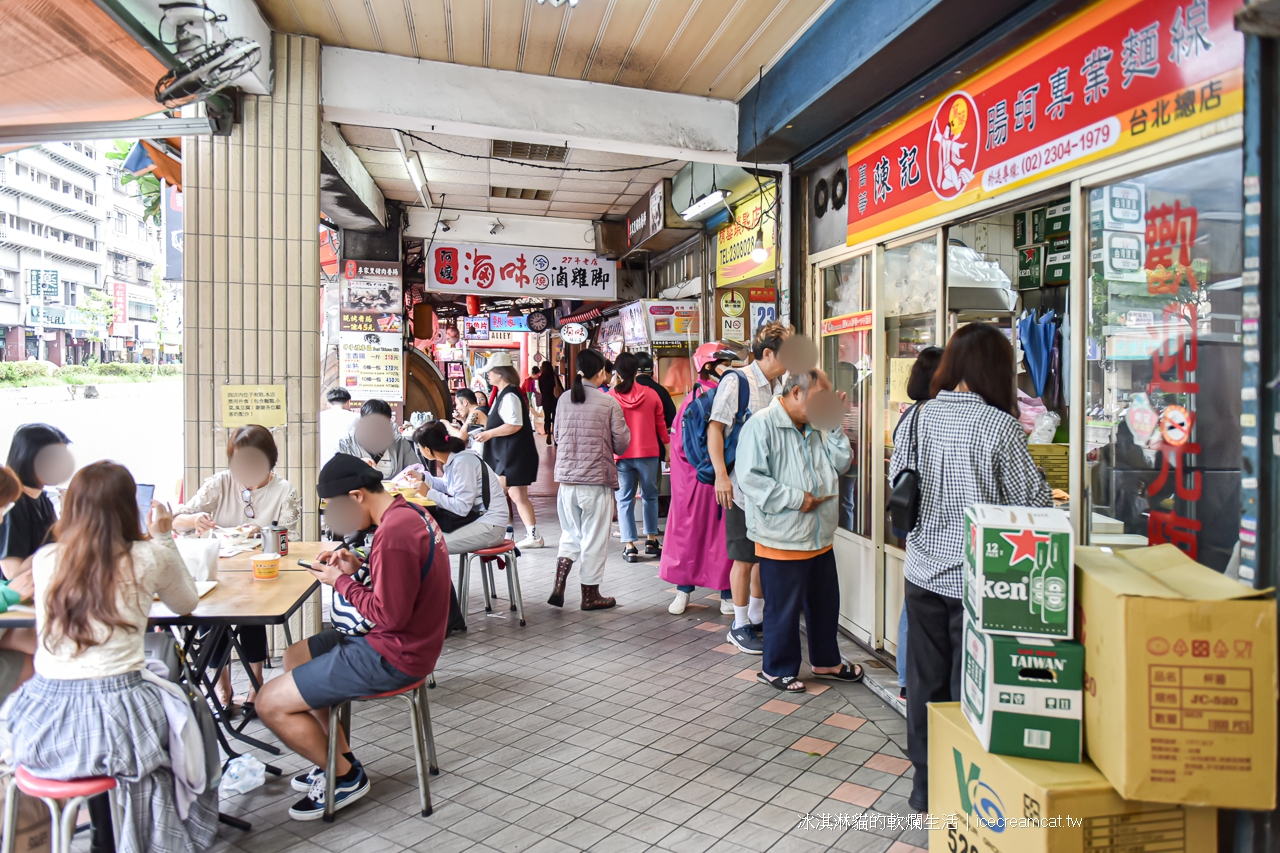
x=911 y=291
x=1164 y=359
x=847 y=359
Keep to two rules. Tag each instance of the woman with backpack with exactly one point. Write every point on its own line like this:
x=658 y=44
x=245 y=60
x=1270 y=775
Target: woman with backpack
x=966 y=447
x=469 y=505
x=642 y=409
x=592 y=431
x=693 y=552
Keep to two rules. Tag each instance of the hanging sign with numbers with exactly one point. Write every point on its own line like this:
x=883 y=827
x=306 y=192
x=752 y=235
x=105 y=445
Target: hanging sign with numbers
x=1110 y=78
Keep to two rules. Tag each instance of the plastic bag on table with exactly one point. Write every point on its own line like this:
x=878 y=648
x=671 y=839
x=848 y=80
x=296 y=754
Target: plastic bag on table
x=1029 y=408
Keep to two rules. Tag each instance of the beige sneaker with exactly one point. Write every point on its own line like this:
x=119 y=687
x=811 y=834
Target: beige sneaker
x=681 y=602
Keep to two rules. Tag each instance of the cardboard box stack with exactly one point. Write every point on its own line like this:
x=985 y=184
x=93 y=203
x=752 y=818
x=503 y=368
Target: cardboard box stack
x=1131 y=736
x=1043 y=240
x=1180 y=679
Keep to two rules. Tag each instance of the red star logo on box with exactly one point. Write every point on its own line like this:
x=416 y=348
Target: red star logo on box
x=1024 y=545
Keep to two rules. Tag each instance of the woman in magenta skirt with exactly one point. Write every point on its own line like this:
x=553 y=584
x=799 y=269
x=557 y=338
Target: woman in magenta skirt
x=693 y=553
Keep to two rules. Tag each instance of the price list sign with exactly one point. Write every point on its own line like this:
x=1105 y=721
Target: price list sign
x=371 y=365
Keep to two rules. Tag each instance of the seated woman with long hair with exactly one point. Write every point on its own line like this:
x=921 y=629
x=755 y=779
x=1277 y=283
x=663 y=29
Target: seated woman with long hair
x=88 y=711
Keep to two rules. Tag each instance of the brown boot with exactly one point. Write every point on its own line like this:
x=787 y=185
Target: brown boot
x=563 y=565
x=593 y=600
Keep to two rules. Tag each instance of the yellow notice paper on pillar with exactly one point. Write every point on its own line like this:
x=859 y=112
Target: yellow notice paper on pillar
x=253 y=404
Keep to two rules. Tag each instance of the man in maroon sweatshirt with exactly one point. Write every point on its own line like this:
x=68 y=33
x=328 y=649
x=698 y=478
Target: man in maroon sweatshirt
x=407 y=600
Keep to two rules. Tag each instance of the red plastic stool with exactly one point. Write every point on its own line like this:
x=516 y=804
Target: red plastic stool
x=64 y=797
x=487 y=557
x=420 y=716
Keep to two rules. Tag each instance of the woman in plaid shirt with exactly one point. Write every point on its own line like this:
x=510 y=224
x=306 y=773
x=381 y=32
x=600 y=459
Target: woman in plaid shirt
x=969 y=449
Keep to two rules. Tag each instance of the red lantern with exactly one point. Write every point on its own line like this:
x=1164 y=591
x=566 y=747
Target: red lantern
x=473 y=305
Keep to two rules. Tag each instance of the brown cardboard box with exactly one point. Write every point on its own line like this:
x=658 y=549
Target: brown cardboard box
x=1004 y=804
x=1180 y=680
x=32 y=834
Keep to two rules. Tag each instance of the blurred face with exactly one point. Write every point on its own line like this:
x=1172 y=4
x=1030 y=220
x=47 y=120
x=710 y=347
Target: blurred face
x=250 y=467
x=464 y=406
x=803 y=405
x=54 y=464
x=347 y=514
x=495 y=379
x=374 y=434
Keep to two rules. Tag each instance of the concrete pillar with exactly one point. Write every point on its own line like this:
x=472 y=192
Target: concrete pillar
x=251 y=267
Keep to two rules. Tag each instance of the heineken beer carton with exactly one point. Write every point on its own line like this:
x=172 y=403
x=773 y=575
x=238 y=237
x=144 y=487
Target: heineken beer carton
x=1022 y=695
x=1018 y=571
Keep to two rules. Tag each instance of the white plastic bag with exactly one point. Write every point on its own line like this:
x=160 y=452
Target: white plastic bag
x=1046 y=425
x=244 y=773
x=201 y=557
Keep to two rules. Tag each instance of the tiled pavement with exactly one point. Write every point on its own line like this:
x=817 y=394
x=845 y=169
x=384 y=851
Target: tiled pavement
x=618 y=731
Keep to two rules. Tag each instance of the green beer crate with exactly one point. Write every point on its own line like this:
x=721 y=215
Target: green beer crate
x=1030 y=267
x=1023 y=696
x=1019 y=577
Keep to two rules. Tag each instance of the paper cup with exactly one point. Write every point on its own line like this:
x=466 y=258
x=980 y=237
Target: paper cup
x=266 y=567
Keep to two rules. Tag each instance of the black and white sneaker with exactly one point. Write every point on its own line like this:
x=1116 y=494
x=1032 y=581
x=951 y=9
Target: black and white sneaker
x=747 y=640
x=303 y=781
x=346 y=792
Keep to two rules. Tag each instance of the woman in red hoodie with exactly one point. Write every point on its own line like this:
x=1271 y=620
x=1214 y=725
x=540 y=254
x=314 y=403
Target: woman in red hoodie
x=643 y=410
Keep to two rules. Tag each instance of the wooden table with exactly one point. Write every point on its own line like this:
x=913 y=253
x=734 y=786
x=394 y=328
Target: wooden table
x=238 y=600
x=289 y=562
x=17 y=619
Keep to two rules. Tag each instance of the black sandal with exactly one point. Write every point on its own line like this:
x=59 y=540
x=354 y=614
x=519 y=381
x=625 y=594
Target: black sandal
x=630 y=554
x=784 y=684
x=850 y=673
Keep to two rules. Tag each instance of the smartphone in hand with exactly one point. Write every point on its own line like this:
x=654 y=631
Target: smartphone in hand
x=146 y=492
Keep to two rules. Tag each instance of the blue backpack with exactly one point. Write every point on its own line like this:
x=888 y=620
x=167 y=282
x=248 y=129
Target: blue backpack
x=693 y=428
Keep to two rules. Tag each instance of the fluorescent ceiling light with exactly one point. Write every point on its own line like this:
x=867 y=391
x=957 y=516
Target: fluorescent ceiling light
x=704 y=204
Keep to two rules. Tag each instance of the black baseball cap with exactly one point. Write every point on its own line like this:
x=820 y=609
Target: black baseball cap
x=345 y=473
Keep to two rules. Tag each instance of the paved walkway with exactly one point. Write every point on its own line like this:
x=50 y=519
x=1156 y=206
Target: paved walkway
x=618 y=731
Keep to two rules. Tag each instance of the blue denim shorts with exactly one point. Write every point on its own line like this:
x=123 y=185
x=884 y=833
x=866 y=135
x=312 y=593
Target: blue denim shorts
x=343 y=668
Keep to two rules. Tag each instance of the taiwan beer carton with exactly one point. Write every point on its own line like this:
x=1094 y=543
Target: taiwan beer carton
x=1119 y=207
x=1018 y=576
x=1057 y=261
x=1022 y=696
x=1118 y=256
x=1037 y=225
x=1021 y=229
x=1057 y=218
x=1020 y=805
x=1030 y=267
x=1180 y=679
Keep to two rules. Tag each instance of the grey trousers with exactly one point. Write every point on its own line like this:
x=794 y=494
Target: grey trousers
x=474 y=536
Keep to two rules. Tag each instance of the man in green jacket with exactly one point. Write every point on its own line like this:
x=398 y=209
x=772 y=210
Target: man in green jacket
x=789 y=472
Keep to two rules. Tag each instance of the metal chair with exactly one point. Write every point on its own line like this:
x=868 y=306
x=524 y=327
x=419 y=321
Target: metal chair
x=487 y=557
x=64 y=797
x=420 y=716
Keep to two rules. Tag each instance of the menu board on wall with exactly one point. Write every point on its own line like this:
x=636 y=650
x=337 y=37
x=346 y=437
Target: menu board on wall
x=371 y=365
x=372 y=299
x=371 y=319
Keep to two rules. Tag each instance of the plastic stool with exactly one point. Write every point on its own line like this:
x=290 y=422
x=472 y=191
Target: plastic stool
x=64 y=799
x=420 y=716
x=487 y=557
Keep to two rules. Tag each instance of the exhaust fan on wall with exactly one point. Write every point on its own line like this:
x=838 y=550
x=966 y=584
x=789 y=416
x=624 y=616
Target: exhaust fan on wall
x=207 y=61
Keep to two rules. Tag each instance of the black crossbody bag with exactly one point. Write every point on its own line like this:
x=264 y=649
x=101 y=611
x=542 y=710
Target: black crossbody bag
x=450 y=521
x=904 y=498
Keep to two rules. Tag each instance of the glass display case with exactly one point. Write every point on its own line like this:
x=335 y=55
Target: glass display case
x=1164 y=359
x=911 y=292
x=847 y=358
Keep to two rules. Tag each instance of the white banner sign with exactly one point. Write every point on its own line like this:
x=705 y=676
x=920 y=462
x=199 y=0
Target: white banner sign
x=520 y=271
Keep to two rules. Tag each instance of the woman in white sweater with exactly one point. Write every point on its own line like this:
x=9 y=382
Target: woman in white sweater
x=88 y=711
x=249 y=495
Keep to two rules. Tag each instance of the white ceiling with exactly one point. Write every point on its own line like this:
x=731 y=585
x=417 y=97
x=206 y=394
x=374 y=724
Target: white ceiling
x=466 y=181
